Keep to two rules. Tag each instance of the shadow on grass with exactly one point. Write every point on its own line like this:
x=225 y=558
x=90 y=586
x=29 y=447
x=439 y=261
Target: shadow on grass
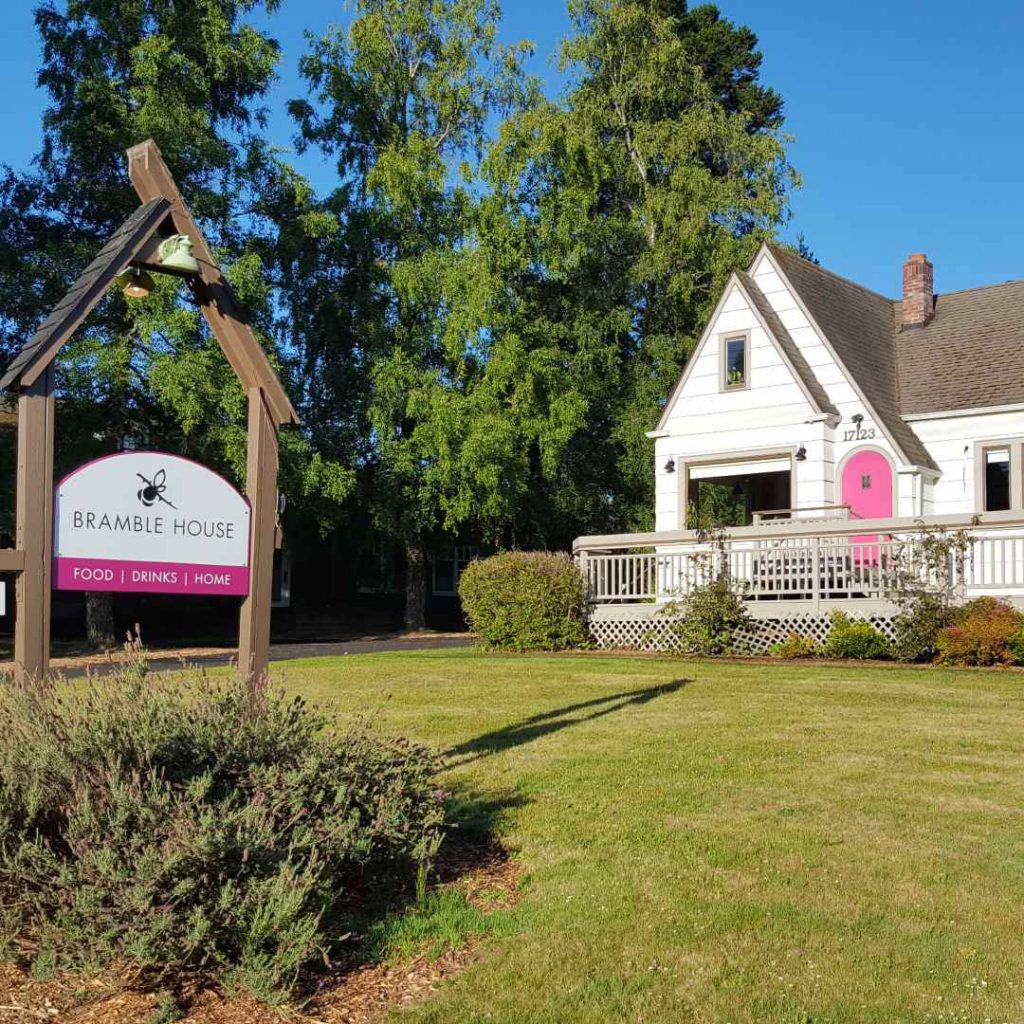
x=536 y=726
x=386 y=906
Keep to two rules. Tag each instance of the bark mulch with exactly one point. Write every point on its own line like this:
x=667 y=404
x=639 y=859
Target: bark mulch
x=351 y=993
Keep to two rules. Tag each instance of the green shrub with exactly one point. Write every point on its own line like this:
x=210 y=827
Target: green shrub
x=714 y=618
x=796 y=646
x=925 y=579
x=983 y=632
x=171 y=824
x=854 y=638
x=923 y=615
x=526 y=600
x=1016 y=645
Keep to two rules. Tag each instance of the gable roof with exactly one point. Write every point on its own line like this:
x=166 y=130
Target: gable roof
x=860 y=326
x=969 y=355
x=790 y=351
x=776 y=331
x=162 y=208
x=85 y=293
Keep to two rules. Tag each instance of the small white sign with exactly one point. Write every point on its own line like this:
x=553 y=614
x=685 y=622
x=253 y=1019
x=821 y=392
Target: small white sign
x=150 y=522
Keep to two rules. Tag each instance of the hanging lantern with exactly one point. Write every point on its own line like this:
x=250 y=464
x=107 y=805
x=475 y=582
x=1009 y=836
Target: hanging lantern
x=135 y=283
x=176 y=254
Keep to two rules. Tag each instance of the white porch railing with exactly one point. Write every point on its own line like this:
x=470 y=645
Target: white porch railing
x=813 y=563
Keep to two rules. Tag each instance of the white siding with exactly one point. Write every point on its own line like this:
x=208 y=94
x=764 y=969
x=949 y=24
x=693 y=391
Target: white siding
x=839 y=389
x=951 y=441
x=773 y=415
x=770 y=415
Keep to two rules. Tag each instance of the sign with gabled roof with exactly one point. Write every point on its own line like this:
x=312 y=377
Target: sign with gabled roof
x=136 y=244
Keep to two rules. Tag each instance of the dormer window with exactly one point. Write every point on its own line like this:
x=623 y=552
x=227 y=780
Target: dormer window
x=735 y=361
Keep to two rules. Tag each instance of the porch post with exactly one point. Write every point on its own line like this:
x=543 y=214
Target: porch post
x=34 y=529
x=816 y=570
x=261 y=489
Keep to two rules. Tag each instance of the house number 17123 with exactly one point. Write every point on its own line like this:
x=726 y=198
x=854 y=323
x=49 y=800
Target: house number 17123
x=859 y=433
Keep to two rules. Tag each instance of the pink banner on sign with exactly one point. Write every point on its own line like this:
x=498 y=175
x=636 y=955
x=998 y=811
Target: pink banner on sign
x=149 y=577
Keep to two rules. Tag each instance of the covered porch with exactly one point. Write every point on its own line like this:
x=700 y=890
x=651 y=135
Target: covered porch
x=803 y=560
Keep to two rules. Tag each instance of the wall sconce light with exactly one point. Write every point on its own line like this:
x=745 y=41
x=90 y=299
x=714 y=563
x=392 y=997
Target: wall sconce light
x=801 y=454
x=670 y=466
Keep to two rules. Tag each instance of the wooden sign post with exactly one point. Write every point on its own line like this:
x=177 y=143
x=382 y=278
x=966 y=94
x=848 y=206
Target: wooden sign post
x=136 y=244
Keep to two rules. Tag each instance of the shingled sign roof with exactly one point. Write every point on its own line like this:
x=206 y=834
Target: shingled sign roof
x=85 y=293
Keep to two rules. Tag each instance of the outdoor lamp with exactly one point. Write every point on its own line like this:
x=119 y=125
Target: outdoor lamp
x=137 y=284
x=176 y=254
x=670 y=466
x=801 y=454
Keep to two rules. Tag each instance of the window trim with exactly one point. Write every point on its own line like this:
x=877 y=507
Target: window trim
x=1015 y=446
x=723 y=359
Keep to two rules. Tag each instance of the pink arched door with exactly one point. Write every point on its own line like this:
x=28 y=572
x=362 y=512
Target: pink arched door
x=866 y=486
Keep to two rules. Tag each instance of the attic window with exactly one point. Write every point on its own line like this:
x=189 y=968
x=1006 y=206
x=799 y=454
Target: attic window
x=734 y=362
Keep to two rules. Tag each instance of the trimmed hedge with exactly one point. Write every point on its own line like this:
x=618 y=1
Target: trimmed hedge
x=854 y=638
x=526 y=601
x=175 y=824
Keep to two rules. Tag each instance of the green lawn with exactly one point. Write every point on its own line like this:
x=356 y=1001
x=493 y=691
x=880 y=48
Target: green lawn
x=726 y=842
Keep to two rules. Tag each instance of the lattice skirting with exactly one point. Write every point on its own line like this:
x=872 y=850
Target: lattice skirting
x=654 y=632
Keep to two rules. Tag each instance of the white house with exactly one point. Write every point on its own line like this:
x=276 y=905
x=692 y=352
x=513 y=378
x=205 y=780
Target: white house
x=817 y=412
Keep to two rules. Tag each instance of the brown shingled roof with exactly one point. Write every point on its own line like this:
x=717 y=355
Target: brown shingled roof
x=87 y=290
x=970 y=354
x=860 y=325
x=790 y=350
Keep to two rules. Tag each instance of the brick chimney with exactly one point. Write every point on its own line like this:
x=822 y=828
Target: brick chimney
x=918 y=292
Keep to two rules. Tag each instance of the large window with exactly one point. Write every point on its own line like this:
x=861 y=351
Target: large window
x=735 y=359
x=997 y=480
x=733 y=500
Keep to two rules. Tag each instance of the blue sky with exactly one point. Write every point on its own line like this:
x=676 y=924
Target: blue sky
x=907 y=120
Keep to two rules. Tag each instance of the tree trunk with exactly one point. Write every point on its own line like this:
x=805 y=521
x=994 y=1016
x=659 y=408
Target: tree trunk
x=99 y=619
x=415 y=587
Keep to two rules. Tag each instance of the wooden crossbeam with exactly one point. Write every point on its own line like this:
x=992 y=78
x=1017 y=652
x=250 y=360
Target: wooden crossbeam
x=151 y=178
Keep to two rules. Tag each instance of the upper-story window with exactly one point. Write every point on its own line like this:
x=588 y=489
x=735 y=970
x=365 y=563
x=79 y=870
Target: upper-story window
x=735 y=361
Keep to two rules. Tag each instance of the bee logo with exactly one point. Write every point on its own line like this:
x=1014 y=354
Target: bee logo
x=152 y=491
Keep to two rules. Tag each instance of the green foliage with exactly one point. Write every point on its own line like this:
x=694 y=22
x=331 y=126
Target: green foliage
x=796 y=646
x=921 y=618
x=854 y=638
x=526 y=600
x=1016 y=646
x=621 y=213
x=174 y=824
x=149 y=373
x=714 y=616
x=925 y=583
x=985 y=631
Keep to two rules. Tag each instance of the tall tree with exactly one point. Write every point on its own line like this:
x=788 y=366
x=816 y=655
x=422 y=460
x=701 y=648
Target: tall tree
x=404 y=95
x=192 y=75
x=662 y=170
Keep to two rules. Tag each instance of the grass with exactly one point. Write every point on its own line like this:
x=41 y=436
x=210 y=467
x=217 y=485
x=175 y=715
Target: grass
x=719 y=842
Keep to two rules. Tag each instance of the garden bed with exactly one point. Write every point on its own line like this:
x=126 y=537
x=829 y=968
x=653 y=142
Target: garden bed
x=351 y=991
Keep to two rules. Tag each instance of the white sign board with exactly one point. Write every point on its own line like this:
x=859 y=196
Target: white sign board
x=150 y=522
